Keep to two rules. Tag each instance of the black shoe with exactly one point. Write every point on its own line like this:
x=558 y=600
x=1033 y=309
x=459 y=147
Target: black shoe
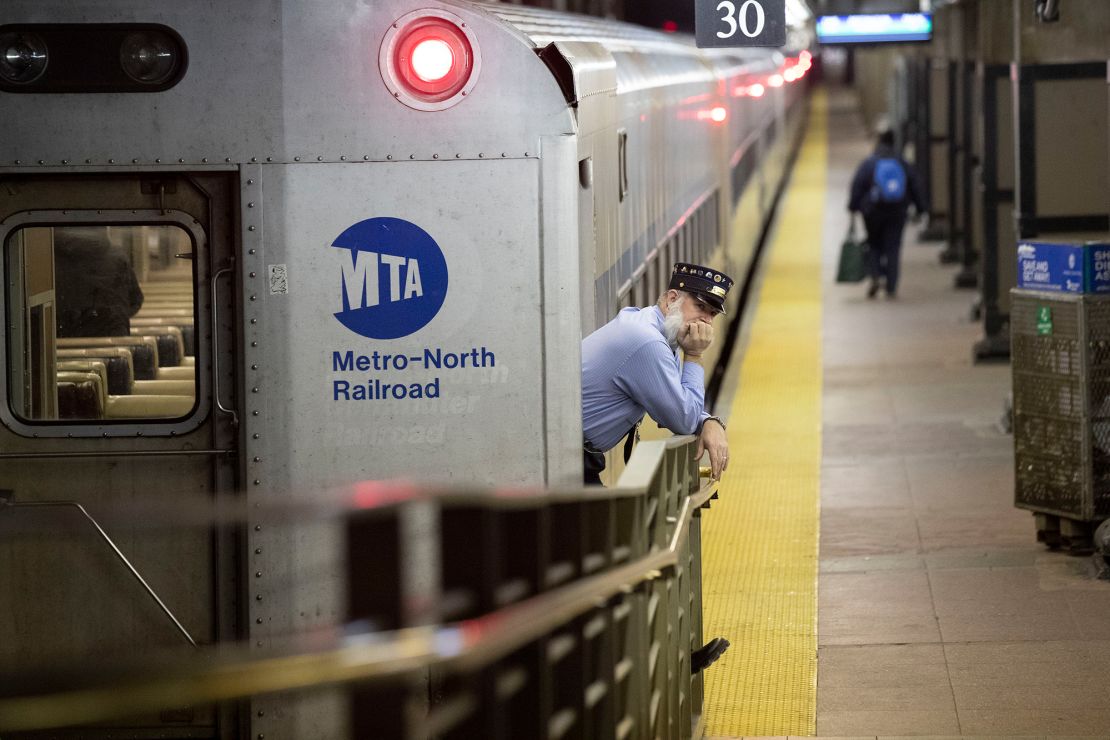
x=874 y=289
x=707 y=654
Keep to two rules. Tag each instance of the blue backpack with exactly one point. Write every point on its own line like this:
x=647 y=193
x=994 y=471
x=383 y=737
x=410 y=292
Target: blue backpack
x=888 y=184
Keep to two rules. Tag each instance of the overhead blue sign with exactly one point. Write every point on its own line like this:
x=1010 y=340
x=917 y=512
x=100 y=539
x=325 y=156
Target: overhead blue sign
x=874 y=28
x=393 y=278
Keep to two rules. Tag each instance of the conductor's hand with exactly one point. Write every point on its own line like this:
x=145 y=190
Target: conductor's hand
x=696 y=339
x=714 y=439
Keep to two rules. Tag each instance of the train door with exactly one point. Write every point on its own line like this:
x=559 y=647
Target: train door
x=117 y=423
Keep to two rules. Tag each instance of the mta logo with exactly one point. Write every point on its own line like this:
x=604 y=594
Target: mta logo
x=363 y=274
x=393 y=278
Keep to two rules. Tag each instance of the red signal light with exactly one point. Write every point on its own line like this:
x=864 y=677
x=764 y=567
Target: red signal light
x=432 y=60
x=670 y=27
x=429 y=60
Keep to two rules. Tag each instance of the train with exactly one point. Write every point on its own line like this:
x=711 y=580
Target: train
x=368 y=239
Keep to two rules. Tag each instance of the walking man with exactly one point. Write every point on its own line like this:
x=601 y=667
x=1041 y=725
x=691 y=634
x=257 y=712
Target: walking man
x=883 y=188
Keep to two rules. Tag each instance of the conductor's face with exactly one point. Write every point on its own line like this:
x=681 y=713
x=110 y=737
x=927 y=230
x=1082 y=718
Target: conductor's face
x=688 y=321
x=695 y=310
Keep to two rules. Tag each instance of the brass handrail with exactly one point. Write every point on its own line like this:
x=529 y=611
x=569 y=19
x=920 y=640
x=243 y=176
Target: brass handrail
x=226 y=673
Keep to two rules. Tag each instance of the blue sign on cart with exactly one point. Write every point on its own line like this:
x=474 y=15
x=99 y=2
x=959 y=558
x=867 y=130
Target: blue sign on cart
x=1063 y=267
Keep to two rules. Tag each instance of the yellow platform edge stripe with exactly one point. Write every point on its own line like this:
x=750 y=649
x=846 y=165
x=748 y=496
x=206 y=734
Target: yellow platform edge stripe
x=760 y=540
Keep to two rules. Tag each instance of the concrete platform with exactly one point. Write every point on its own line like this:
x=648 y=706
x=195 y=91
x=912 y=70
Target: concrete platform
x=939 y=614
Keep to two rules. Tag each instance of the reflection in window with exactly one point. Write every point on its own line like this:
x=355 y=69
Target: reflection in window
x=101 y=323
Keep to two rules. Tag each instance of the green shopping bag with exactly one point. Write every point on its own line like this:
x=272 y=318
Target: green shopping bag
x=853 y=258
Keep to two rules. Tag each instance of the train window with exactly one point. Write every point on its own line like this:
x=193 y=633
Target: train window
x=101 y=320
x=699 y=224
x=714 y=226
x=622 y=166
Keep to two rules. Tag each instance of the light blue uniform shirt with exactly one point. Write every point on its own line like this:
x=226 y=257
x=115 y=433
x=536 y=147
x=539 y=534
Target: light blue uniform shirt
x=628 y=368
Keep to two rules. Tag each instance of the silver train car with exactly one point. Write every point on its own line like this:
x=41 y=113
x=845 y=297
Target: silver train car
x=258 y=249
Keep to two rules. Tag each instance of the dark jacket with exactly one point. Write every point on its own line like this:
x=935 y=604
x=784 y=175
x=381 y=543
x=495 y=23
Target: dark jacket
x=94 y=286
x=860 y=197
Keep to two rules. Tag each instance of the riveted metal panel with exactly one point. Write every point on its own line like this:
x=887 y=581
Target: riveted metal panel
x=510 y=292
x=245 y=99
x=492 y=301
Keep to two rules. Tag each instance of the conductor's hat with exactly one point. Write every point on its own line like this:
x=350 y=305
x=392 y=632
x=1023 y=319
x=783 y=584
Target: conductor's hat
x=707 y=284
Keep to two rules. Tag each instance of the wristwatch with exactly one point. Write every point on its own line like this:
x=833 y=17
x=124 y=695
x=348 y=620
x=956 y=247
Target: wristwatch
x=711 y=418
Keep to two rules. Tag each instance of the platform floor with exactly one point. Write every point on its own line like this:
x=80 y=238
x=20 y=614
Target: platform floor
x=937 y=612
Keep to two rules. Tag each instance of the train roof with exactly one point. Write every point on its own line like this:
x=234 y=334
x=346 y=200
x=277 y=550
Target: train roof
x=286 y=81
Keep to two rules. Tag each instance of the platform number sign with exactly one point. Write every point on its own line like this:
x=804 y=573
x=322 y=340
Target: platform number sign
x=740 y=23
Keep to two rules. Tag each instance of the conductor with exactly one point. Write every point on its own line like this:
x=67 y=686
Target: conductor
x=631 y=365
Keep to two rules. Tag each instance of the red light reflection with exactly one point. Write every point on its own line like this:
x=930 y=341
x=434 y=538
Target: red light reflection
x=755 y=90
x=373 y=494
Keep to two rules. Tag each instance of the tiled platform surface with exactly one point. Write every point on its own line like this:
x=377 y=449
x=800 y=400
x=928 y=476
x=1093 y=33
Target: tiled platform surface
x=939 y=614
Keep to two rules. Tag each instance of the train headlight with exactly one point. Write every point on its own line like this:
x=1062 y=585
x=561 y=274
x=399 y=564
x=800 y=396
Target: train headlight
x=23 y=57
x=429 y=60
x=150 y=57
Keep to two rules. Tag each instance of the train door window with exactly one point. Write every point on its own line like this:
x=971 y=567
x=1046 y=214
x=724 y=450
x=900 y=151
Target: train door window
x=699 y=234
x=714 y=214
x=622 y=164
x=101 y=320
x=702 y=234
x=699 y=225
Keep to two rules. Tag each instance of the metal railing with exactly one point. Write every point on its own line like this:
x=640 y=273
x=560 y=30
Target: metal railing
x=554 y=615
